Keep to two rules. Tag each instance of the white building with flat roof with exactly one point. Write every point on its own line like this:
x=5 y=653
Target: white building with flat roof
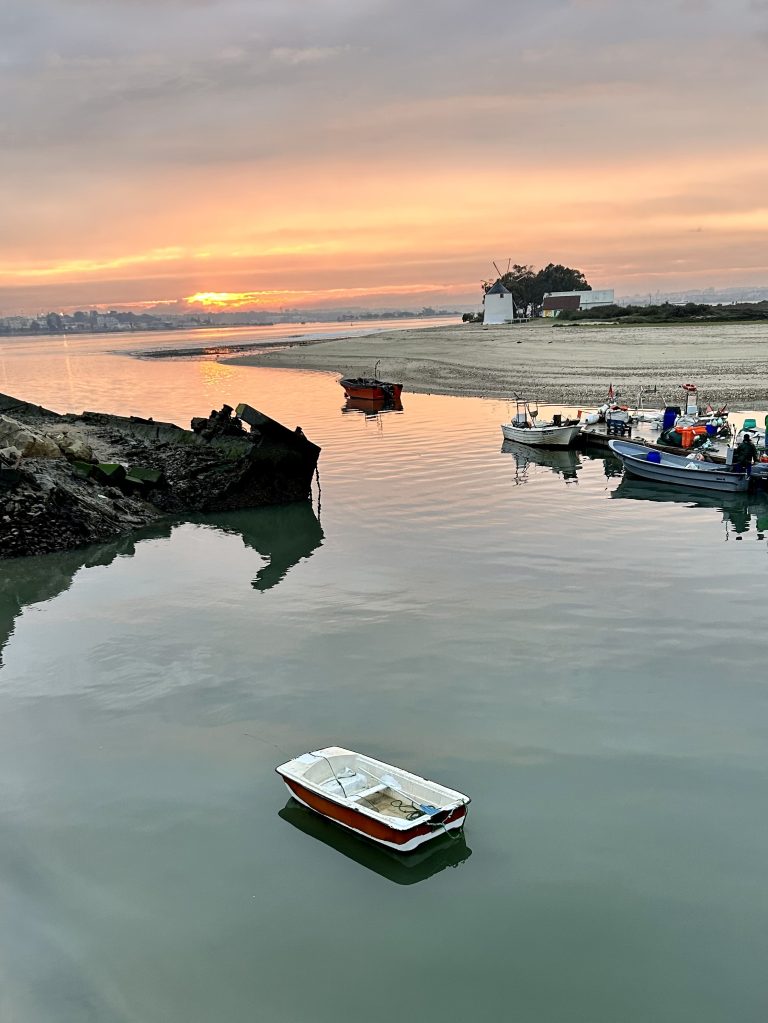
x=587 y=300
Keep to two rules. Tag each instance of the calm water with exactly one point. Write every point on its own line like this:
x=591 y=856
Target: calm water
x=583 y=655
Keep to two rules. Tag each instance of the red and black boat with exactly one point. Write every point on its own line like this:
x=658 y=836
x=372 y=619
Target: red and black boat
x=371 y=388
x=379 y=801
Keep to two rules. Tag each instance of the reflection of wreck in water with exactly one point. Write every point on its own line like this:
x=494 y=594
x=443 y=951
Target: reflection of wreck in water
x=284 y=534
x=402 y=868
x=737 y=510
x=372 y=407
x=563 y=462
x=40 y=578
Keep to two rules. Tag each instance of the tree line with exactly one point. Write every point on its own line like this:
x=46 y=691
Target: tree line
x=667 y=312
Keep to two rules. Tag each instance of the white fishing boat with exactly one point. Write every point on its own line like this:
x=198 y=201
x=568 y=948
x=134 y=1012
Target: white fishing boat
x=662 y=467
x=390 y=806
x=527 y=428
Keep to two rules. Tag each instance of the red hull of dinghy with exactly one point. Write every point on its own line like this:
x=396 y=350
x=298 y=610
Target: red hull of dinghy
x=374 y=829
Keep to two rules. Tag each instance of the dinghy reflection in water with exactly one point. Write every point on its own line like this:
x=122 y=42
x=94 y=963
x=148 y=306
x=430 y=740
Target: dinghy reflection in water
x=409 y=868
x=391 y=806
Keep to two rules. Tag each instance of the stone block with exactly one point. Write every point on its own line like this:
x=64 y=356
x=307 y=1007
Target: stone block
x=145 y=475
x=109 y=472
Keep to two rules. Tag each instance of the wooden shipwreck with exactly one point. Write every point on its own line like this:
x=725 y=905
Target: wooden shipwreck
x=71 y=480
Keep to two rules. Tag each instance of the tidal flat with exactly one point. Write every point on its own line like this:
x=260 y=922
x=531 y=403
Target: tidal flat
x=544 y=360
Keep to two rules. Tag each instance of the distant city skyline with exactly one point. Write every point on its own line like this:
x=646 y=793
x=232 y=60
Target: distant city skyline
x=378 y=154
x=735 y=294
x=192 y=316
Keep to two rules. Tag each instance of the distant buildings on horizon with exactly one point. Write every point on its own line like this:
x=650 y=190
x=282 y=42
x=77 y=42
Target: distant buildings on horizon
x=702 y=296
x=126 y=321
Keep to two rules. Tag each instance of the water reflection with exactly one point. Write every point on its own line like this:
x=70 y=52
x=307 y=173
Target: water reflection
x=563 y=462
x=402 y=868
x=738 y=510
x=371 y=408
x=613 y=467
x=27 y=581
x=284 y=535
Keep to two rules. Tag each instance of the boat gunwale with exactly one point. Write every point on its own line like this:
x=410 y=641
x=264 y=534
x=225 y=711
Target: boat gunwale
x=355 y=386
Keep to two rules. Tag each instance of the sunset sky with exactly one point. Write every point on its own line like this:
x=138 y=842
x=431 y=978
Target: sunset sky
x=376 y=152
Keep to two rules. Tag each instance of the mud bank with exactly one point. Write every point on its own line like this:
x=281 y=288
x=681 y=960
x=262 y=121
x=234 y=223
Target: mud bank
x=560 y=364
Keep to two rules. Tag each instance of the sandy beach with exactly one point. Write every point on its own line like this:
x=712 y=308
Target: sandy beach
x=568 y=364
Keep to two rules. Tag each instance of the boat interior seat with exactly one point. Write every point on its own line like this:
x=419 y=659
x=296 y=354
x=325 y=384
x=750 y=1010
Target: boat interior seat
x=368 y=792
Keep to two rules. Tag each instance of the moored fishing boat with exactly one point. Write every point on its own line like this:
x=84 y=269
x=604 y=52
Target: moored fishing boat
x=390 y=806
x=546 y=435
x=662 y=467
x=527 y=428
x=371 y=388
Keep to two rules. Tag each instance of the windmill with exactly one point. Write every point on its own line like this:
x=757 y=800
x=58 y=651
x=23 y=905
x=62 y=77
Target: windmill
x=511 y=279
x=499 y=303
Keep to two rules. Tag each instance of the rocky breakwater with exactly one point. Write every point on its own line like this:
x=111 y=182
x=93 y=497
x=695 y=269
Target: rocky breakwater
x=71 y=480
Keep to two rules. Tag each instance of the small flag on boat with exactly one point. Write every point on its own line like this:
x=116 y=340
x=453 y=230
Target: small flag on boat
x=610 y=392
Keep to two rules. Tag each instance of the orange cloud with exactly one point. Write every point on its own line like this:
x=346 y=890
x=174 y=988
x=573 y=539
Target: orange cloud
x=400 y=231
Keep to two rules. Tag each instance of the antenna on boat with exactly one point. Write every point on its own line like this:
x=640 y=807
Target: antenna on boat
x=376 y=368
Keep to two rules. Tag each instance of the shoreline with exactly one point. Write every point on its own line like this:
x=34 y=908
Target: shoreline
x=557 y=364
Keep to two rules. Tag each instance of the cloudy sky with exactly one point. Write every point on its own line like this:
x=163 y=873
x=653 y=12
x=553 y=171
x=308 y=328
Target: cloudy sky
x=376 y=152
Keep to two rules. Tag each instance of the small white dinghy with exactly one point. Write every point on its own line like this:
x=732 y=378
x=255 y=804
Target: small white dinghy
x=526 y=428
x=384 y=803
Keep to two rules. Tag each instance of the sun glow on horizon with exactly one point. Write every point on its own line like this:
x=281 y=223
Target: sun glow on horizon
x=224 y=299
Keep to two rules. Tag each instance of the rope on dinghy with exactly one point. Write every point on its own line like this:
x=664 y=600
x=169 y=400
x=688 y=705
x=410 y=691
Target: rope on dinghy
x=320 y=756
x=459 y=830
